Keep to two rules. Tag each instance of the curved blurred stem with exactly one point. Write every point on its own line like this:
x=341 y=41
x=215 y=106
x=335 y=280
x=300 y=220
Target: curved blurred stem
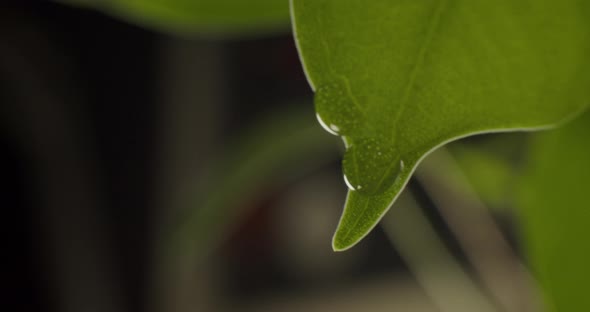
x=496 y=264
x=209 y=205
x=443 y=279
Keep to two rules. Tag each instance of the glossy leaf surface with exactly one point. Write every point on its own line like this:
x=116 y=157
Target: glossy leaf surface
x=407 y=76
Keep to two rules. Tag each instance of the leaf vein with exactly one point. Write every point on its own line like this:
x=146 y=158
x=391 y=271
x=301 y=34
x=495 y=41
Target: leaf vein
x=435 y=22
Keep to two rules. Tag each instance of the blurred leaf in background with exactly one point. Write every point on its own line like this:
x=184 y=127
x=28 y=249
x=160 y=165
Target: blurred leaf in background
x=556 y=213
x=490 y=163
x=202 y=17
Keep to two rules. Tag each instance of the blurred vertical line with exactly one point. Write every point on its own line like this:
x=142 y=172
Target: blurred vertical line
x=193 y=97
x=497 y=265
x=49 y=124
x=442 y=277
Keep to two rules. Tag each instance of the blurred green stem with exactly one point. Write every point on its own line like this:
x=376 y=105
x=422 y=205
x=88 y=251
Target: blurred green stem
x=278 y=149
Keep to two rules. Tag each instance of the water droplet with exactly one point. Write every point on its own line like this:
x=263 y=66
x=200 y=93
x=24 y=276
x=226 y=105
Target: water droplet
x=370 y=171
x=352 y=188
x=336 y=111
x=335 y=128
x=326 y=127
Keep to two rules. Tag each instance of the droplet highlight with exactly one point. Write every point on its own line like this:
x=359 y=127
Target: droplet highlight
x=350 y=186
x=371 y=166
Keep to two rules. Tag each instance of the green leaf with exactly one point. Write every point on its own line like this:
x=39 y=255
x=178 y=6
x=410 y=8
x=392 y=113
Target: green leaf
x=555 y=211
x=221 y=17
x=407 y=76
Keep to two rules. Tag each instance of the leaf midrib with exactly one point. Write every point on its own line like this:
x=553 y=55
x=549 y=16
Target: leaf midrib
x=435 y=22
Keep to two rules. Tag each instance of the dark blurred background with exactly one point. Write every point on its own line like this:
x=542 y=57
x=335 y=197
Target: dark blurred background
x=103 y=121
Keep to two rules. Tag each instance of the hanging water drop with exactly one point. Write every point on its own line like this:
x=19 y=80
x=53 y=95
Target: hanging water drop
x=336 y=111
x=371 y=165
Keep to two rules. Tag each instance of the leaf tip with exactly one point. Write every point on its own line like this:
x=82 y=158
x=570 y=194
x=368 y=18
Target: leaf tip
x=341 y=242
x=338 y=246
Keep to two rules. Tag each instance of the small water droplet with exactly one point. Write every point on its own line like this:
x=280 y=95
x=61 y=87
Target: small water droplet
x=336 y=111
x=372 y=172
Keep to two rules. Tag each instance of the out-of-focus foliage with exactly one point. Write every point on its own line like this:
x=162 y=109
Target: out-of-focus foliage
x=490 y=174
x=556 y=214
x=276 y=149
x=202 y=17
